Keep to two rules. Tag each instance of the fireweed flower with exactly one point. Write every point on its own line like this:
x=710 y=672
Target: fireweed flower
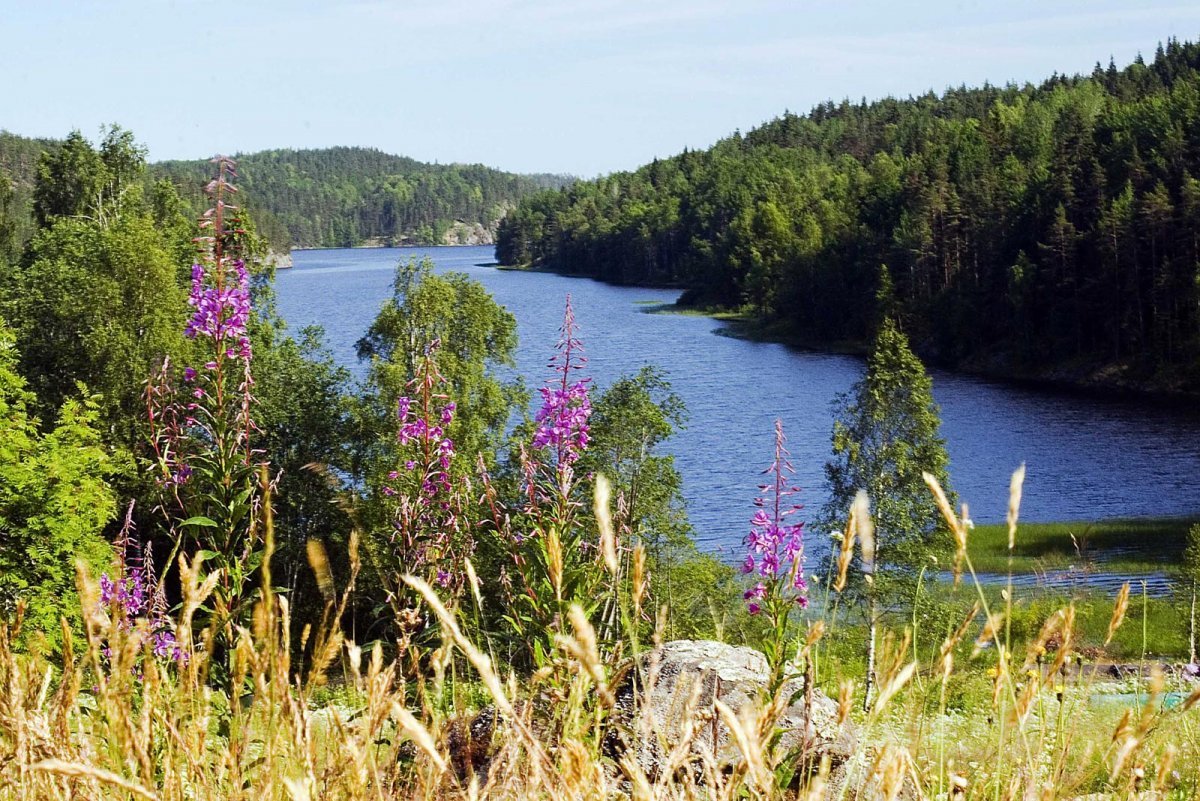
x=562 y=420
x=775 y=547
x=428 y=503
x=222 y=309
x=132 y=598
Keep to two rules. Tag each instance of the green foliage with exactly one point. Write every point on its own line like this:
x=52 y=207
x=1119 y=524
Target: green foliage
x=8 y=219
x=19 y=158
x=54 y=501
x=1191 y=553
x=98 y=294
x=885 y=436
x=1074 y=200
x=476 y=336
x=97 y=304
x=629 y=423
x=81 y=182
x=345 y=196
x=303 y=416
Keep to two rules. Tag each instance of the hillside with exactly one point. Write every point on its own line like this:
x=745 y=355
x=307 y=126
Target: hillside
x=346 y=196
x=336 y=197
x=1047 y=231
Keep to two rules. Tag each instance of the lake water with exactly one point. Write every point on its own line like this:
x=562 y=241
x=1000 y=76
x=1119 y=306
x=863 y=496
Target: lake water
x=1087 y=457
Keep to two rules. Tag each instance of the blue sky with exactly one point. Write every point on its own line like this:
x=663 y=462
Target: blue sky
x=575 y=86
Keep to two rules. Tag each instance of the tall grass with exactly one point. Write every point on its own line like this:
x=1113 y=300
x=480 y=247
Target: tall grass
x=983 y=716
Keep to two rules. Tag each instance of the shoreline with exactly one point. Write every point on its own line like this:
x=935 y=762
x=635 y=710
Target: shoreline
x=296 y=248
x=740 y=326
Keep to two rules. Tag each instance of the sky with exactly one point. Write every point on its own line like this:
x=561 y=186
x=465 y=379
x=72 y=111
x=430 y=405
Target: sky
x=582 y=87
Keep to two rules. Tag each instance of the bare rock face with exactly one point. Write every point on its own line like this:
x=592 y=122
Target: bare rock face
x=278 y=259
x=684 y=679
x=464 y=233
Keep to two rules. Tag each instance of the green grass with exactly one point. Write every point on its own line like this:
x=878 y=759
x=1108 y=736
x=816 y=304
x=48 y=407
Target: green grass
x=1165 y=634
x=1123 y=546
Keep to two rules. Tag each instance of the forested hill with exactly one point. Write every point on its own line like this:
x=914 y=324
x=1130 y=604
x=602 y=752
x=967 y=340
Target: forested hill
x=18 y=167
x=1046 y=231
x=335 y=197
x=345 y=196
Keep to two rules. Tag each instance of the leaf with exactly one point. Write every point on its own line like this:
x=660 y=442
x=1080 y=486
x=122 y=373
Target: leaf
x=200 y=520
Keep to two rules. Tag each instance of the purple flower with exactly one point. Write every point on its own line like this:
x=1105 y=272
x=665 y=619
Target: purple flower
x=775 y=548
x=222 y=308
x=426 y=519
x=757 y=592
x=563 y=417
x=129 y=597
x=563 y=421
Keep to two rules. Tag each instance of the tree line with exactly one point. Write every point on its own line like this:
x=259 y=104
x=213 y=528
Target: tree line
x=333 y=197
x=344 y=196
x=1048 y=230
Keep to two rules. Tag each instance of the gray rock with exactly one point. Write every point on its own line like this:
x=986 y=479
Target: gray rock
x=685 y=678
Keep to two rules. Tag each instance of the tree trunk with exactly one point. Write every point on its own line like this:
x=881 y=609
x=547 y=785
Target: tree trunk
x=1192 y=628
x=870 y=683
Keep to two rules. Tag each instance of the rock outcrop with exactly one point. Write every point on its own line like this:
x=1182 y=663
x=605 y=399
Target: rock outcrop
x=464 y=233
x=278 y=259
x=684 y=680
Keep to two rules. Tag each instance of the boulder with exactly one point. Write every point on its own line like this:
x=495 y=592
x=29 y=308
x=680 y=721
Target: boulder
x=684 y=679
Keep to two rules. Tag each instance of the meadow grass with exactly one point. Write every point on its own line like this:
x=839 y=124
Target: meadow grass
x=995 y=703
x=1142 y=545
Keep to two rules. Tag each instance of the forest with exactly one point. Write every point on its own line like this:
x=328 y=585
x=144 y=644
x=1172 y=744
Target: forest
x=1044 y=231
x=348 y=196
x=335 y=197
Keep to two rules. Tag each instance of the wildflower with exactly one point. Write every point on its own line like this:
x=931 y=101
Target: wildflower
x=775 y=546
x=222 y=308
x=427 y=517
x=562 y=420
x=132 y=599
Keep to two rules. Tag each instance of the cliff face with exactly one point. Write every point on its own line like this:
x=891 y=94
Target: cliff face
x=278 y=259
x=464 y=233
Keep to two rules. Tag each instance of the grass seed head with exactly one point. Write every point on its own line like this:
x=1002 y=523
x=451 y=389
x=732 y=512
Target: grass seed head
x=1118 y=614
x=602 y=507
x=865 y=531
x=1014 y=504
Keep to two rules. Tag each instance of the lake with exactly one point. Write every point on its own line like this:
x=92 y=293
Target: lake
x=1087 y=457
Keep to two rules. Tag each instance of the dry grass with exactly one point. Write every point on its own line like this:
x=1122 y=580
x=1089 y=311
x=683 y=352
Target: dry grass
x=125 y=726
